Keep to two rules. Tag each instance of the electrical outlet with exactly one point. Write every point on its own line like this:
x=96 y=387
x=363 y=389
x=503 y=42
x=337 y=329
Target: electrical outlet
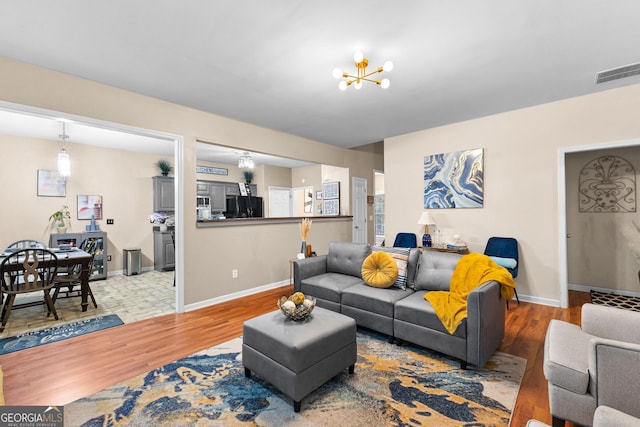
x=108 y=257
x=234 y=274
x=110 y=221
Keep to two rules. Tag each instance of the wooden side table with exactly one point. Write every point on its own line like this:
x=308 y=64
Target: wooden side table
x=443 y=249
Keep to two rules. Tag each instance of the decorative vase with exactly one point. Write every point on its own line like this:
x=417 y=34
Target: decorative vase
x=61 y=228
x=303 y=249
x=426 y=240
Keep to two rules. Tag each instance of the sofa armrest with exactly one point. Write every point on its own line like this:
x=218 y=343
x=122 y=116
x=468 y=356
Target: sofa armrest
x=485 y=322
x=615 y=367
x=609 y=417
x=308 y=267
x=611 y=323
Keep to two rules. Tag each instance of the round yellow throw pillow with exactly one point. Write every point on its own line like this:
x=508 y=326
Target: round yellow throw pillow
x=379 y=270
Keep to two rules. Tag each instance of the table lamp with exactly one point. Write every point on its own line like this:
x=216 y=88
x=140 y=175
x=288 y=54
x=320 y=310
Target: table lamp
x=426 y=220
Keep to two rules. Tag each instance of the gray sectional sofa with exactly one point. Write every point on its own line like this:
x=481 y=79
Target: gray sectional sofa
x=336 y=282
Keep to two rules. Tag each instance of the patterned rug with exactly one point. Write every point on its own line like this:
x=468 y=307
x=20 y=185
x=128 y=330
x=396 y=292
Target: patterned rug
x=613 y=300
x=57 y=333
x=392 y=385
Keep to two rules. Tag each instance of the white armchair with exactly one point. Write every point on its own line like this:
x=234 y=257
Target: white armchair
x=604 y=417
x=597 y=364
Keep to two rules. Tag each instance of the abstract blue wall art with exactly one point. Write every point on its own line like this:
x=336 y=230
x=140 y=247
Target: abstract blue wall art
x=454 y=180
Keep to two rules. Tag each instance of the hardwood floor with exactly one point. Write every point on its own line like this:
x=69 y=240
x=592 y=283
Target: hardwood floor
x=61 y=372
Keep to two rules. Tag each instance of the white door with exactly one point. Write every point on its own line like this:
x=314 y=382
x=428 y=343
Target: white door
x=279 y=202
x=359 y=209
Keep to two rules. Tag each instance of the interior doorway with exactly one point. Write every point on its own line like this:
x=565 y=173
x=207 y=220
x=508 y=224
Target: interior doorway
x=39 y=118
x=359 y=210
x=378 y=207
x=563 y=235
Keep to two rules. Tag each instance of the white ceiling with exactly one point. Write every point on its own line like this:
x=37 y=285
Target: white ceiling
x=270 y=62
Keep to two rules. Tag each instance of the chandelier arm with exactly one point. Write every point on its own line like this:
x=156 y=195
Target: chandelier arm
x=370 y=80
x=379 y=70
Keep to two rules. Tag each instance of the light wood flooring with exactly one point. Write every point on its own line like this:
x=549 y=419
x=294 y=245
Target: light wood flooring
x=61 y=372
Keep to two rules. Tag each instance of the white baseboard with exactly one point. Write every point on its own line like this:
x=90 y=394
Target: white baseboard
x=536 y=300
x=583 y=288
x=235 y=295
x=121 y=272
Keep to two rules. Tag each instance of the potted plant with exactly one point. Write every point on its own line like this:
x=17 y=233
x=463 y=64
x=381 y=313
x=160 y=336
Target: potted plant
x=58 y=217
x=164 y=166
x=248 y=176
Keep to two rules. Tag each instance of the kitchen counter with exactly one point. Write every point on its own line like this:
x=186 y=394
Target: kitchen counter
x=232 y=222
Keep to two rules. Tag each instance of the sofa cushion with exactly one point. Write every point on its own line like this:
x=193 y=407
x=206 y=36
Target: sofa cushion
x=412 y=266
x=328 y=286
x=401 y=257
x=416 y=310
x=379 y=270
x=435 y=270
x=566 y=360
x=375 y=300
x=347 y=258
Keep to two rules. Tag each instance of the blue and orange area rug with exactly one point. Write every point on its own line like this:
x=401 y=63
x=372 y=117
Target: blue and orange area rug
x=58 y=333
x=392 y=386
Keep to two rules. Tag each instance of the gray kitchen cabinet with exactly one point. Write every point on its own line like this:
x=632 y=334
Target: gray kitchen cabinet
x=163 y=194
x=202 y=188
x=164 y=257
x=218 y=200
x=232 y=189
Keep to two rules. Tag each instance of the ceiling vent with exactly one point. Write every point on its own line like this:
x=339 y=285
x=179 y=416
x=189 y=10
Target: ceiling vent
x=618 y=73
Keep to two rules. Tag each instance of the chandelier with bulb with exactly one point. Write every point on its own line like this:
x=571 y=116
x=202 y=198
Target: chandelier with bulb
x=246 y=161
x=361 y=73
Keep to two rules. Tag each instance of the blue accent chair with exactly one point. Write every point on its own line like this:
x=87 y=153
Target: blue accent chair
x=405 y=240
x=504 y=247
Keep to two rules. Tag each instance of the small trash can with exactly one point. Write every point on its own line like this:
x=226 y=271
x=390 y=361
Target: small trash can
x=131 y=264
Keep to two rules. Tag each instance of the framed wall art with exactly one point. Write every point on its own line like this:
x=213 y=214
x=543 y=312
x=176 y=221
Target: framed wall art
x=454 y=180
x=331 y=207
x=331 y=190
x=212 y=170
x=51 y=184
x=89 y=207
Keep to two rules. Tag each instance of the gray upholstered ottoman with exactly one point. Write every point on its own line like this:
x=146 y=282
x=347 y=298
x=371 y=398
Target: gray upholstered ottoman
x=298 y=357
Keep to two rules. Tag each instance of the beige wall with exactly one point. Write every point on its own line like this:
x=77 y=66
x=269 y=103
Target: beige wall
x=521 y=151
x=598 y=250
x=123 y=179
x=208 y=253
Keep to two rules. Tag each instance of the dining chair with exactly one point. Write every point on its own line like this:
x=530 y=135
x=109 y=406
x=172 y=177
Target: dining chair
x=405 y=240
x=72 y=279
x=25 y=271
x=27 y=244
x=504 y=251
x=173 y=242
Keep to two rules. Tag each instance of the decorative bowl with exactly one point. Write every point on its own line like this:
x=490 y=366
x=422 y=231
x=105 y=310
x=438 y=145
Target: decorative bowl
x=296 y=312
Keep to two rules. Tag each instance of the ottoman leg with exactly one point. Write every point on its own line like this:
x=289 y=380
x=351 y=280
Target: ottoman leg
x=352 y=368
x=296 y=406
x=247 y=372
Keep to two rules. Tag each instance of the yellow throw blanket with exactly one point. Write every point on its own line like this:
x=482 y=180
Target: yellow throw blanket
x=472 y=271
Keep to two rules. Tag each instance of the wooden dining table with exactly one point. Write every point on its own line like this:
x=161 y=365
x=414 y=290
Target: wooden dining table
x=68 y=259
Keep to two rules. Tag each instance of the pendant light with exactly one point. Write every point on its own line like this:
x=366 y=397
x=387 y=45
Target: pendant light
x=64 y=163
